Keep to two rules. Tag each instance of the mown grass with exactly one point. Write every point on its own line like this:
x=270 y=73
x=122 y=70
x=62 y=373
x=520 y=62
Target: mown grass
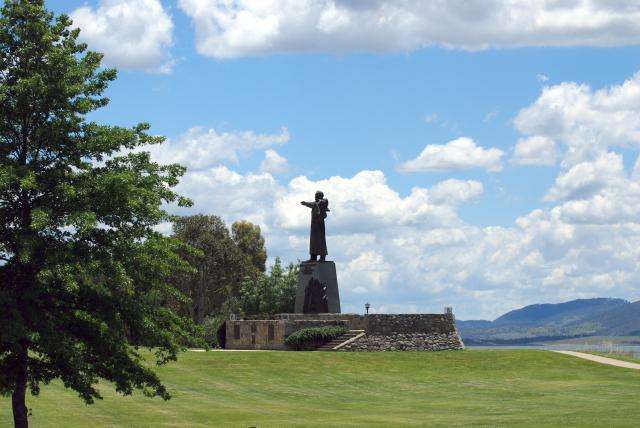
x=457 y=388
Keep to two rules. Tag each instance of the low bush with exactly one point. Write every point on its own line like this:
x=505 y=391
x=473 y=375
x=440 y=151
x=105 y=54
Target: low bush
x=211 y=330
x=312 y=337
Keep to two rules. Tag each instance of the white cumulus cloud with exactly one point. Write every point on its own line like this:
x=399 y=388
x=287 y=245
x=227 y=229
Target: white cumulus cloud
x=537 y=150
x=587 y=178
x=234 y=196
x=135 y=34
x=235 y=28
x=455 y=192
x=584 y=121
x=364 y=203
x=274 y=163
x=201 y=148
x=459 y=154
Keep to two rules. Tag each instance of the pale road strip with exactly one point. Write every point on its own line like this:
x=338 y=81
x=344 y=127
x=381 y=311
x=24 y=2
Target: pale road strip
x=603 y=360
x=229 y=350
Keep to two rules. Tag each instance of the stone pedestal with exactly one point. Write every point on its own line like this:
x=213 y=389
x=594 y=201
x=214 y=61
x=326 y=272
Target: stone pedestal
x=317 y=288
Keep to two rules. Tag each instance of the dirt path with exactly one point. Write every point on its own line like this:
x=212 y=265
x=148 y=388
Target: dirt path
x=229 y=350
x=603 y=360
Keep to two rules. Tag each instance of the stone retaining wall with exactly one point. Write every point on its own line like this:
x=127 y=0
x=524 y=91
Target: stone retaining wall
x=407 y=332
x=353 y=321
x=390 y=324
x=255 y=334
x=384 y=332
x=405 y=342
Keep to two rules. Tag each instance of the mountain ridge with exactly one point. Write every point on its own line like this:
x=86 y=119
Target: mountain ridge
x=552 y=321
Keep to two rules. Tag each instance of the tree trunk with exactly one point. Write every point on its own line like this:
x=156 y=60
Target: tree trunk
x=199 y=318
x=18 y=398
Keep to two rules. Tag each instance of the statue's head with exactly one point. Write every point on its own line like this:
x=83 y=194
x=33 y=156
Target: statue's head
x=319 y=195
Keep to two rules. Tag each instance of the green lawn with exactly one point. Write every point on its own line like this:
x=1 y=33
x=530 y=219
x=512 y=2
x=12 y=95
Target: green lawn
x=483 y=387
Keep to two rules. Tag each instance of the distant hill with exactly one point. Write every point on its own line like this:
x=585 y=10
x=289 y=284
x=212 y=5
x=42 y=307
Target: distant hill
x=563 y=313
x=625 y=321
x=583 y=317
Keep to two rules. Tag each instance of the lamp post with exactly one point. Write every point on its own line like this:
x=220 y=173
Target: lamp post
x=366 y=307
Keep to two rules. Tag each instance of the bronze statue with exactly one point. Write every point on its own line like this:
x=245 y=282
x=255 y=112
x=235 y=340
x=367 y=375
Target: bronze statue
x=317 y=241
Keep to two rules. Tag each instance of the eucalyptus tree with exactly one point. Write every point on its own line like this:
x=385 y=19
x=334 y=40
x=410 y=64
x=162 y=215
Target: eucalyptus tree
x=220 y=263
x=248 y=237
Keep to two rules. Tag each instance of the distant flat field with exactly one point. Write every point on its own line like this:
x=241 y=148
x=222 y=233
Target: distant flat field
x=453 y=388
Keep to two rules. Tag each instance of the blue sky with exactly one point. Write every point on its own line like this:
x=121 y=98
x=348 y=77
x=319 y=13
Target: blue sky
x=343 y=101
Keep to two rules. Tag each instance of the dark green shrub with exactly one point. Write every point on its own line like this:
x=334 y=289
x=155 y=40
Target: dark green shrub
x=210 y=329
x=312 y=337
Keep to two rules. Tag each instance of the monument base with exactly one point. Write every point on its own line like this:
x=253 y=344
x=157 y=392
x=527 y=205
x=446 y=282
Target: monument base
x=317 y=288
x=383 y=332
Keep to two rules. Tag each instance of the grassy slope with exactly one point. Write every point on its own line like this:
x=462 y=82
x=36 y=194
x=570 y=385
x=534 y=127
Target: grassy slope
x=515 y=387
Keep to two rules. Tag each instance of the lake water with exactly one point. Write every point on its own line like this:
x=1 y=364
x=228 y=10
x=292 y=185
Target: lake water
x=632 y=350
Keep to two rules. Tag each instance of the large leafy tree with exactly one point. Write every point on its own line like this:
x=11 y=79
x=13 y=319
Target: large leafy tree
x=248 y=238
x=83 y=273
x=220 y=265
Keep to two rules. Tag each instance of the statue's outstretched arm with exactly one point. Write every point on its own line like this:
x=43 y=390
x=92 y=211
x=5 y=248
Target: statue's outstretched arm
x=308 y=204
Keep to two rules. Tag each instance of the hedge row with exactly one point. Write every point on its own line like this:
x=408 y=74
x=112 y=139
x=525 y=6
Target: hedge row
x=312 y=337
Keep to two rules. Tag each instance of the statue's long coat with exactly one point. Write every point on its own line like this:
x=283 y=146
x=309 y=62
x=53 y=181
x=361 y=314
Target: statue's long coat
x=318 y=241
